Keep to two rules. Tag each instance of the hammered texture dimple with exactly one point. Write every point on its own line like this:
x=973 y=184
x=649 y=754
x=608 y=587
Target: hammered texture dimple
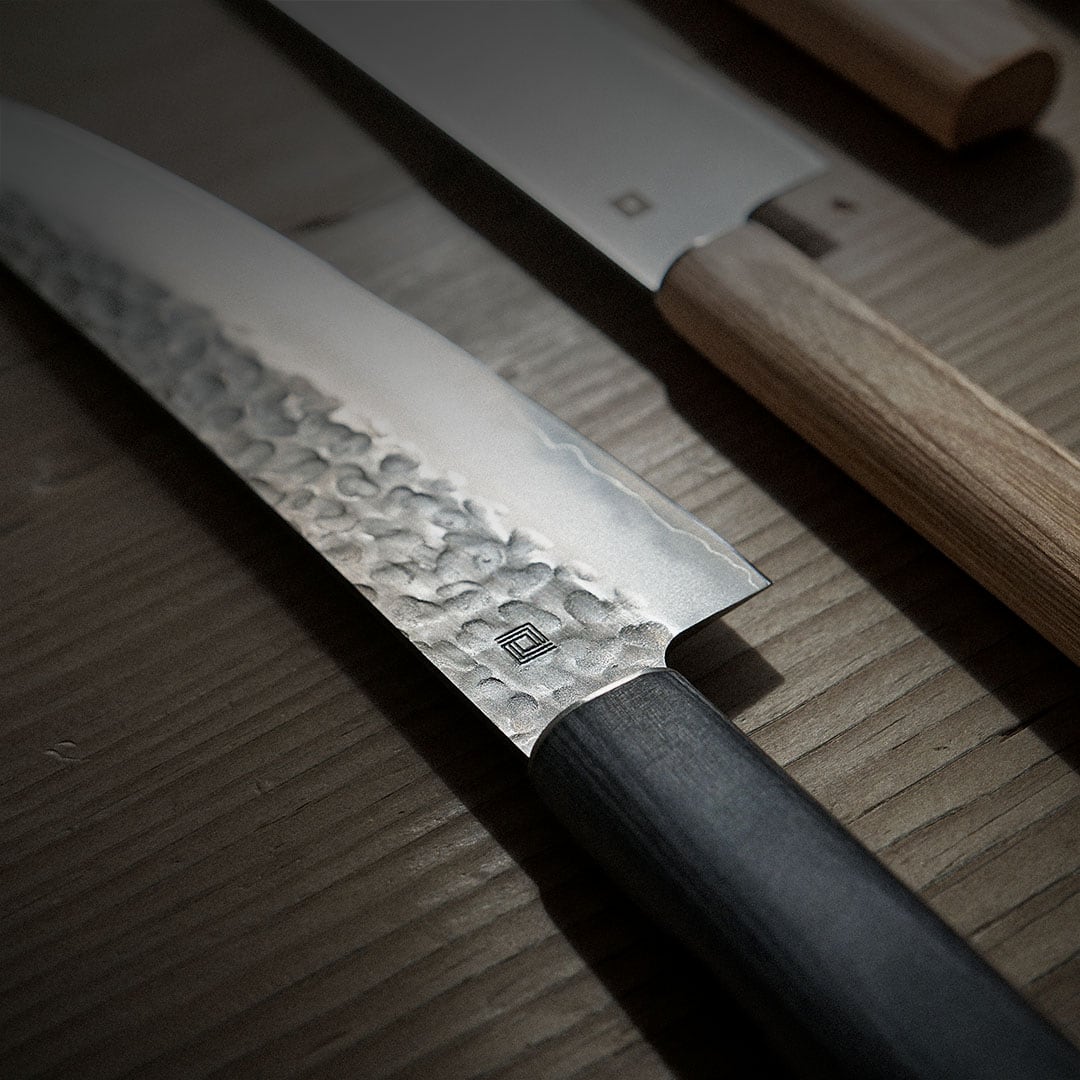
x=446 y=569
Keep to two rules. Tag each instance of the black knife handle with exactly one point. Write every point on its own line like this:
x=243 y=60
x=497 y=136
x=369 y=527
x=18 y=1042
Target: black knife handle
x=724 y=850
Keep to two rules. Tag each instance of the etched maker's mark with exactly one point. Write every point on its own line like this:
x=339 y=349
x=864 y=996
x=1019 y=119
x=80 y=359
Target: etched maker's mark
x=525 y=643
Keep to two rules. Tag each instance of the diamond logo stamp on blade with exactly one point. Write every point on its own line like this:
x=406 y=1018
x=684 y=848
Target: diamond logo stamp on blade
x=525 y=643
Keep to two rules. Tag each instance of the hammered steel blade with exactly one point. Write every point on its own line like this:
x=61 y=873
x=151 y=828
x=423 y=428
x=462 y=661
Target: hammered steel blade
x=642 y=155
x=533 y=569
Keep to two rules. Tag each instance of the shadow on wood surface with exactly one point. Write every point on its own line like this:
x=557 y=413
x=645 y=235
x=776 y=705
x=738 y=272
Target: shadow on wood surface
x=1065 y=12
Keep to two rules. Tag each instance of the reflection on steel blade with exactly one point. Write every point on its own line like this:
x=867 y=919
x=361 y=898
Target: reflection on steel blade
x=529 y=566
x=636 y=151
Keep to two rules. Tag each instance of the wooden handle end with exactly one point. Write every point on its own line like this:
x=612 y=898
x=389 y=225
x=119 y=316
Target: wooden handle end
x=960 y=71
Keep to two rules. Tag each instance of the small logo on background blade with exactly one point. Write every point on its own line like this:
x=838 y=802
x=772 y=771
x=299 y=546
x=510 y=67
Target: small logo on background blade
x=631 y=203
x=525 y=643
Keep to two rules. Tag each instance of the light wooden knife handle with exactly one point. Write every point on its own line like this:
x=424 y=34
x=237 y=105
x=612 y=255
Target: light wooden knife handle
x=988 y=489
x=961 y=70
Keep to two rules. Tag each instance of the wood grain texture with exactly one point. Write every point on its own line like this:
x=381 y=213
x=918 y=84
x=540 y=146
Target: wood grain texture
x=986 y=487
x=246 y=833
x=959 y=71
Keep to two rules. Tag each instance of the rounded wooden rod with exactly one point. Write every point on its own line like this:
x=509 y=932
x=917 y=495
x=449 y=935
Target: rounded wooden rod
x=961 y=70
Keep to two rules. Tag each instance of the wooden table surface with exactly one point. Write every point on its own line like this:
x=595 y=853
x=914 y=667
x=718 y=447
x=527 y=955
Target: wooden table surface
x=247 y=832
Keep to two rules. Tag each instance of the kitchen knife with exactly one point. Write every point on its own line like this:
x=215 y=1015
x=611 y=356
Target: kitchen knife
x=658 y=164
x=541 y=577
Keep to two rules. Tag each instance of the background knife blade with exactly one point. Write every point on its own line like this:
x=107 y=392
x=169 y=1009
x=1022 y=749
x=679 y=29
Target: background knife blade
x=658 y=166
x=472 y=905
